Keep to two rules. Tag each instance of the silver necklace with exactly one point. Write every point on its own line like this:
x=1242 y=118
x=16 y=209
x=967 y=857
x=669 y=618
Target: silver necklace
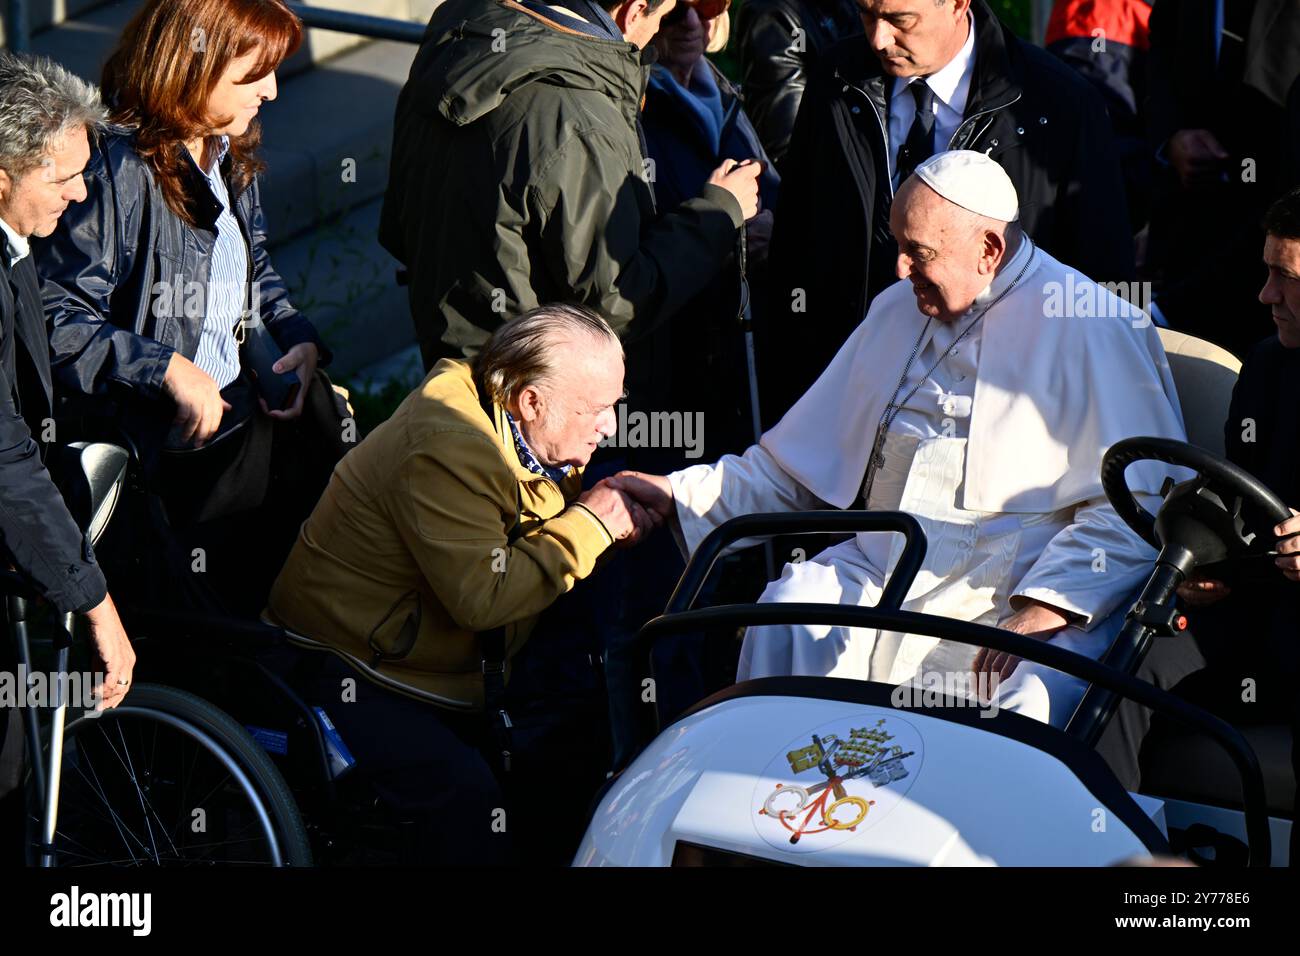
x=877 y=458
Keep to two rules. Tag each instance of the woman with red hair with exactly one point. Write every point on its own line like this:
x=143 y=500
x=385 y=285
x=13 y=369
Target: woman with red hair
x=162 y=300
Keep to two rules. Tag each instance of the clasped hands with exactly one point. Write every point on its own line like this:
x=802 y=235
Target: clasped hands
x=630 y=505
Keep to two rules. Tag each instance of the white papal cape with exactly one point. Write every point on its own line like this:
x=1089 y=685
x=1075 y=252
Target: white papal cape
x=1004 y=476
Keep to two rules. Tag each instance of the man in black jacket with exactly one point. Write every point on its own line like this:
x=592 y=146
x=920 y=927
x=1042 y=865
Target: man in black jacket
x=860 y=133
x=780 y=40
x=45 y=114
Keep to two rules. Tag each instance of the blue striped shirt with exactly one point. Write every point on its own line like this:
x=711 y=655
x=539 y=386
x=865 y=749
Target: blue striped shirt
x=218 y=353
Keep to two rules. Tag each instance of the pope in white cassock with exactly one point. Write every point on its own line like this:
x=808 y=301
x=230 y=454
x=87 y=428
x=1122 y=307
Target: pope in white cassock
x=974 y=398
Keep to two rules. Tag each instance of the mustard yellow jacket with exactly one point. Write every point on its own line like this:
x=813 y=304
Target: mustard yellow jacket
x=407 y=555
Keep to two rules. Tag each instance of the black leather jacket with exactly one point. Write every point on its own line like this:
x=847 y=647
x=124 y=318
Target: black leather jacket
x=117 y=266
x=780 y=40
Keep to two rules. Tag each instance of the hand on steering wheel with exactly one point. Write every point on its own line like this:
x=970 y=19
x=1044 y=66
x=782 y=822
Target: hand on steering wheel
x=1288 y=546
x=1223 y=514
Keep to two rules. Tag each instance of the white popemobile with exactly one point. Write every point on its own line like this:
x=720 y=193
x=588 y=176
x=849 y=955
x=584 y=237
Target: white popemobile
x=820 y=771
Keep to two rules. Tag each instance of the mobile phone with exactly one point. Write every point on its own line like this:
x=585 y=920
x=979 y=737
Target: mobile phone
x=260 y=353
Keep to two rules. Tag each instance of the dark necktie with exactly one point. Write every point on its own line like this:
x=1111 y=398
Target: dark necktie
x=919 y=145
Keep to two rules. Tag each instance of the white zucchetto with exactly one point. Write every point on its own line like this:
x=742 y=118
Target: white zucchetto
x=973 y=181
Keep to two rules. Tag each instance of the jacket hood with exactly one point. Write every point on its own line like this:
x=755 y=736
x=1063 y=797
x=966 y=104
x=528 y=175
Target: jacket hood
x=476 y=54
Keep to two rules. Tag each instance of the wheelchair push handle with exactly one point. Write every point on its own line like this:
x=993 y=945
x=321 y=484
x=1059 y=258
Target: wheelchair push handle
x=769 y=525
x=14 y=586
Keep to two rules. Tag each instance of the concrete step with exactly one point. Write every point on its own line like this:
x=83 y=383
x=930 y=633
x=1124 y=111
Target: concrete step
x=82 y=42
x=326 y=138
x=320 y=45
x=340 y=278
x=43 y=14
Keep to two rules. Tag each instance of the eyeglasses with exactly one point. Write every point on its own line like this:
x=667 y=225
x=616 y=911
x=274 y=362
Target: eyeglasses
x=704 y=9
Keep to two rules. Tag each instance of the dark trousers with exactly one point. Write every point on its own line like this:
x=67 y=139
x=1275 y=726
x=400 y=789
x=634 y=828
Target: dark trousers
x=437 y=768
x=1170 y=663
x=634 y=587
x=1208 y=667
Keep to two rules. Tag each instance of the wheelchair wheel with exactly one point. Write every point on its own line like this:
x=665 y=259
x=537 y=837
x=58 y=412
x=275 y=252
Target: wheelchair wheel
x=167 y=779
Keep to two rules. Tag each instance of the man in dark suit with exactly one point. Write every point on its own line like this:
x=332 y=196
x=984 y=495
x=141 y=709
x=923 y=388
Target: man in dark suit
x=46 y=115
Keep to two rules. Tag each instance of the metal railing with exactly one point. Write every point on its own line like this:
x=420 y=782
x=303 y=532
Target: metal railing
x=18 y=23
x=18 y=33
x=360 y=24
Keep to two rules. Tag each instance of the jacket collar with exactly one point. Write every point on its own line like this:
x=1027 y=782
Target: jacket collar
x=530 y=460
x=999 y=63
x=584 y=16
x=462 y=75
x=668 y=94
x=511 y=445
x=203 y=204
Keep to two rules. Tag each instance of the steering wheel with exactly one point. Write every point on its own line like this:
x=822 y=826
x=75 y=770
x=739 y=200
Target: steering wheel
x=1223 y=514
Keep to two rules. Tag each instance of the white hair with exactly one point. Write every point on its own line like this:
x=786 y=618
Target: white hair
x=524 y=351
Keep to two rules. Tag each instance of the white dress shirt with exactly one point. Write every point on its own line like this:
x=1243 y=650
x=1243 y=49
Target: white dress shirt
x=218 y=352
x=951 y=88
x=17 y=246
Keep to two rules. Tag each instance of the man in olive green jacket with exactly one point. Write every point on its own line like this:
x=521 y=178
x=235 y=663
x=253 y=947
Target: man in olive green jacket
x=461 y=514
x=518 y=175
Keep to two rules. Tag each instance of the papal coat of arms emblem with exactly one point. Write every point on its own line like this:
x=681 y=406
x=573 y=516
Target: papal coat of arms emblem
x=864 y=765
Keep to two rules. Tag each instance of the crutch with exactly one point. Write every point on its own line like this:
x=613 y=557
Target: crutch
x=746 y=319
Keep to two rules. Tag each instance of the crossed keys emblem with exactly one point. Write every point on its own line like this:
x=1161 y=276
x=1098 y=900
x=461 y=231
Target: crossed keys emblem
x=866 y=753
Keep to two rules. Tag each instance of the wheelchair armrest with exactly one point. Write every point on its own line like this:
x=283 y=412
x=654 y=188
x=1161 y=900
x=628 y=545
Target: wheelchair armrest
x=103 y=468
x=13 y=584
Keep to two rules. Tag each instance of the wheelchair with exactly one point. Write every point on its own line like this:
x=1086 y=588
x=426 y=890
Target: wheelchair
x=212 y=758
